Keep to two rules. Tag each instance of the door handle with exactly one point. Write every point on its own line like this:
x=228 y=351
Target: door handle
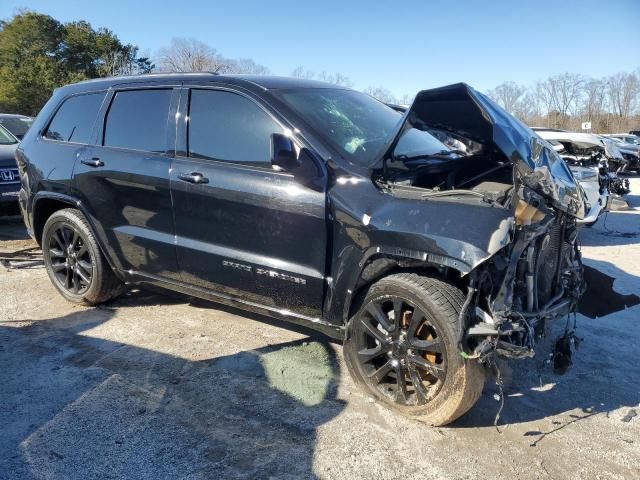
x=93 y=162
x=193 y=177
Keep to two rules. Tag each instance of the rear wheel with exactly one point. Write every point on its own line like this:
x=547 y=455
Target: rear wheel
x=74 y=261
x=401 y=347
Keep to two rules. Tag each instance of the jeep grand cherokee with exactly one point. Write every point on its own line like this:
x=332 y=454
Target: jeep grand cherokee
x=430 y=241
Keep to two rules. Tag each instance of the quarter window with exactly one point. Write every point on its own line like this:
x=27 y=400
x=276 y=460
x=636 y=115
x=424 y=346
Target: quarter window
x=73 y=122
x=137 y=119
x=228 y=126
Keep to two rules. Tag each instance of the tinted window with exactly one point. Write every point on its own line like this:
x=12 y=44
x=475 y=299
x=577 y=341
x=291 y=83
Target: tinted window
x=137 y=119
x=18 y=126
x=74 y=120
x=227 y=126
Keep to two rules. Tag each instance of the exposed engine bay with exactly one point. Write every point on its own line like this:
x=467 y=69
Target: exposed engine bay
x=538 y=275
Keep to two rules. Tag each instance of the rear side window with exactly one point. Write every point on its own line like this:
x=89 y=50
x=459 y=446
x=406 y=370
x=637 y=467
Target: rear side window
x=228 y=126
x=137 y=119
x=73 y=122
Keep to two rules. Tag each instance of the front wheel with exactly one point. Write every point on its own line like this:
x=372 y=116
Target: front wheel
x=401 y=347
x=74 y=261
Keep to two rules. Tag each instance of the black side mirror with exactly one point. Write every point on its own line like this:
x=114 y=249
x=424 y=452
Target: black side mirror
x=283 y=153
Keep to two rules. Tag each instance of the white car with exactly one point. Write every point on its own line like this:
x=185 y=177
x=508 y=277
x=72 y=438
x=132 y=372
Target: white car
x=585 y=149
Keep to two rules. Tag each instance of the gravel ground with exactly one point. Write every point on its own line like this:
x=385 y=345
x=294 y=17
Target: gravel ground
x=153 y=386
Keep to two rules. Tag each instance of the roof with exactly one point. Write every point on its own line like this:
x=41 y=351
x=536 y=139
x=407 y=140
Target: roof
x=268 y=82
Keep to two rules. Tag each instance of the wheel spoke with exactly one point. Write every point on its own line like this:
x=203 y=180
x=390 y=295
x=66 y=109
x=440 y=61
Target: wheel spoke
x=433 y=345
x=82 y=250
x=65 y=236
x=376 y=312
x=401 y=386
x=368 y=354
x=418 y=386
x=58 y=267
x=374 y=332
x=416 y=320
x=377 y=376
x=397 y=312
x=432 y=368
x=75 y=281
x=86 y=266
x=55 y=253
x=57 y=236
x=74 y=238
x=68 y=279
x=82 y=276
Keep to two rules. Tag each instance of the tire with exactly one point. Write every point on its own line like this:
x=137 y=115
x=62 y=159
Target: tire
x=74 y=262
x=423 y=349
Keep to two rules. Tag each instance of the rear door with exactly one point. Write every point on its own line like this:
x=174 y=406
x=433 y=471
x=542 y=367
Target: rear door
x=242 y=228
x=123 y=180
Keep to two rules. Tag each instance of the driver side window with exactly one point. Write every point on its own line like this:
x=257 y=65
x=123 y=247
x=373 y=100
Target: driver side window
x=229 y=127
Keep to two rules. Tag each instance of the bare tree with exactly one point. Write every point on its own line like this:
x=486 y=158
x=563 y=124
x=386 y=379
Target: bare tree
x=246 y=65
x=381 y=94
x=561 y=94
x=191 y=55
x=508 y=95
x=406 y=99
x=594 y=100
x=623 y=90
x=335 y=78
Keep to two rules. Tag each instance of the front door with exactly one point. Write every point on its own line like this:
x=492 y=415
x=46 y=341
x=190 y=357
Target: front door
x=242 y=228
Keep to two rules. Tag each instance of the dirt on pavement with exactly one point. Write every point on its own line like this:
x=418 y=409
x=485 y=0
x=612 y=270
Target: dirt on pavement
x=157 y=386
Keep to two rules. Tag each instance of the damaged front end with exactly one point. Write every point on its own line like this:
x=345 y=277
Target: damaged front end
x=538 y=275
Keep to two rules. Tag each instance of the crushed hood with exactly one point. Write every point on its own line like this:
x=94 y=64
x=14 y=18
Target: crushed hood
x=462 y=110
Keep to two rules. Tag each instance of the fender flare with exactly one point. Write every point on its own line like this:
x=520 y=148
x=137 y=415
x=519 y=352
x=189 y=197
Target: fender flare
x=75 y=203
x=398 y=254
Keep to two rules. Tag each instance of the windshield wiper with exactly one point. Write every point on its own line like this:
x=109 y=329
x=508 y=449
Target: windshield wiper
x=442 y=154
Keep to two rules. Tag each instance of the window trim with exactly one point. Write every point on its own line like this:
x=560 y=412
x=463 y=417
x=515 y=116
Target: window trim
x=100 y=134
x=183 y=133
x=92 y=141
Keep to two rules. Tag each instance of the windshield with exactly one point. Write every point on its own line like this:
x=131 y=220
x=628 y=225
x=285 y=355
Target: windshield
x=6 y=138
x=18 y=126
x=355 y=124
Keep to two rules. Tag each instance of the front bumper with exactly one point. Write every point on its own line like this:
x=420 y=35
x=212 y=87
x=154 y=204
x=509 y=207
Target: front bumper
x=9 y=193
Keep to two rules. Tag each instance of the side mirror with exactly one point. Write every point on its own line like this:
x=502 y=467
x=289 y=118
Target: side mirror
x=283 y=153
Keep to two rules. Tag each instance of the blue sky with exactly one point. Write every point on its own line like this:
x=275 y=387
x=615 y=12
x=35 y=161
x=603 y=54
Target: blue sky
x=403 y=46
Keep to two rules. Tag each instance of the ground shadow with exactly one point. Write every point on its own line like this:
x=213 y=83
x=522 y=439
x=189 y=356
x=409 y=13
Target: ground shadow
x=75 y=406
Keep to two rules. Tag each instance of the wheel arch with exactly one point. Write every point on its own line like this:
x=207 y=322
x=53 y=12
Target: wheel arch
x=46 y=204
x=382 y=264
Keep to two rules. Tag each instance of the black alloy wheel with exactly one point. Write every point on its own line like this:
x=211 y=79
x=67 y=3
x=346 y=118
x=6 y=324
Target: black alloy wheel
x=401 y=353
x=71 y=259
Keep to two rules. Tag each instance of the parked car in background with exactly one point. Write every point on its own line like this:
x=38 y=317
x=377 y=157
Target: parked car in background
x=635 y=132
x=624 y=137
x=630 y=151
x=594 y=178
x=18 y=125
x=320 y=205
x=9 y=178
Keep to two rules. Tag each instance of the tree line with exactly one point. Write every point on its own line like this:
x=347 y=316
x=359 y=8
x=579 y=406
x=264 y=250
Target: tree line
x=38 y=54
x=611 y=104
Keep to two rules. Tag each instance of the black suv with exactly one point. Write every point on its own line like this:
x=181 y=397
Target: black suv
x=430 y=242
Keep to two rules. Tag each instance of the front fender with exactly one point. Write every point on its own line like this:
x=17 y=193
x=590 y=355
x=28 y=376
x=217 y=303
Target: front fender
x=369 y=224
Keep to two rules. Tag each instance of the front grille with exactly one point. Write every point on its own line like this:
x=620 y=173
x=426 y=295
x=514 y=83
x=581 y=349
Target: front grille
x=9 y=176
